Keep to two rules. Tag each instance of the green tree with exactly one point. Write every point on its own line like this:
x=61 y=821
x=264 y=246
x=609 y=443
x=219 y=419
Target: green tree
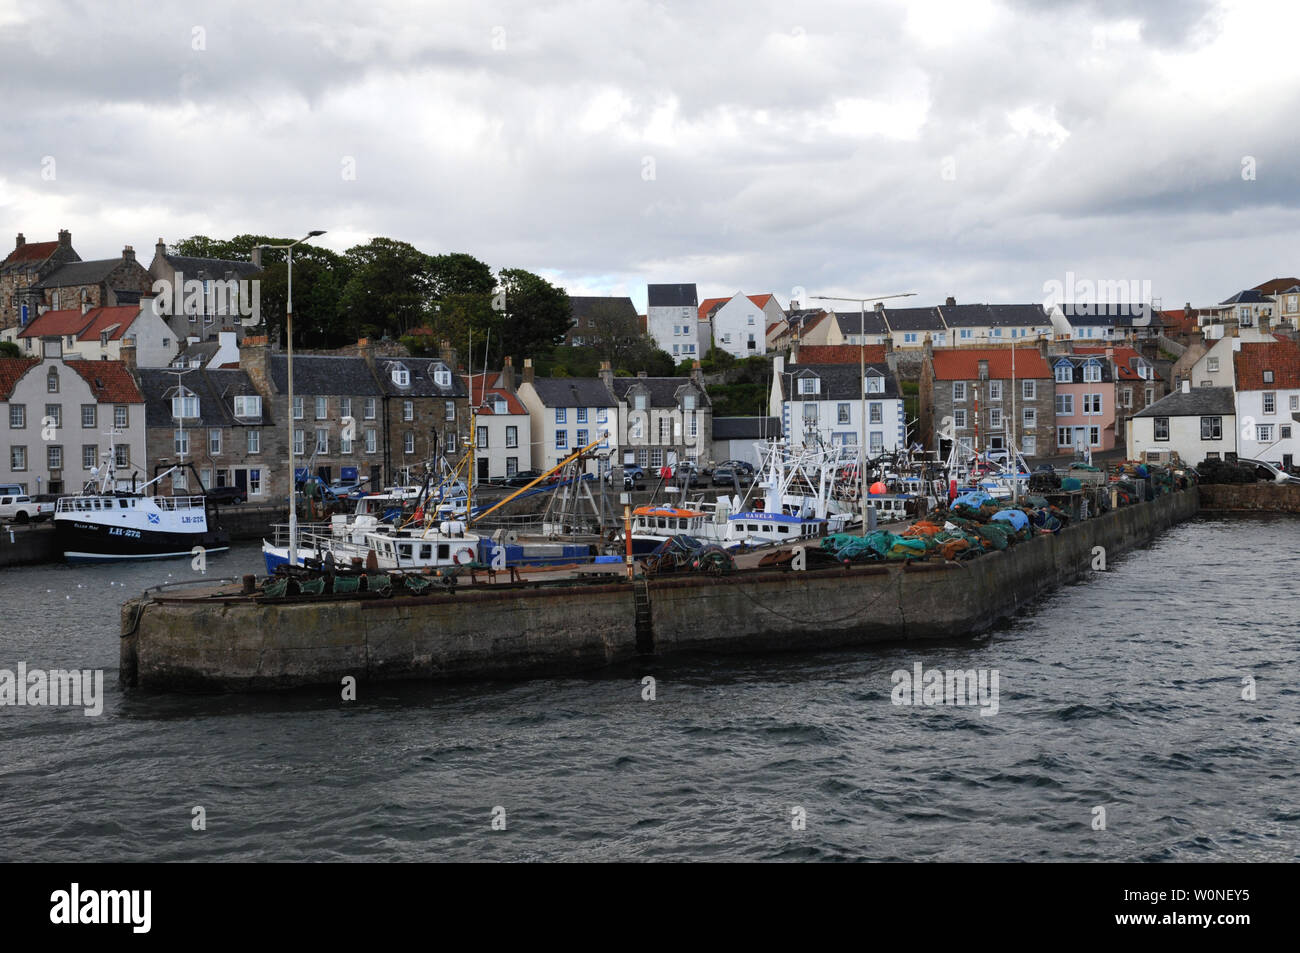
x=389 y=289
x=10 y=349
x=535 y=313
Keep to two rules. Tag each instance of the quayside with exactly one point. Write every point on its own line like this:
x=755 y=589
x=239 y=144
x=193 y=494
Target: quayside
x=217 y=639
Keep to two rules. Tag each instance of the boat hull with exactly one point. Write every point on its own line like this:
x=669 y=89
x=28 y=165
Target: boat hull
x=83 y=541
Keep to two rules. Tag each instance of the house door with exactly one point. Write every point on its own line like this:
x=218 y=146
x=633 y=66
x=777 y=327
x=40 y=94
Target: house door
x=482 y=464
x=241 y=479
x=1080 y=438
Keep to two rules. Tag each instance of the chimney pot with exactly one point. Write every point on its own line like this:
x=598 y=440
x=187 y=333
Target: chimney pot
x=65 y=237
x=950 y=302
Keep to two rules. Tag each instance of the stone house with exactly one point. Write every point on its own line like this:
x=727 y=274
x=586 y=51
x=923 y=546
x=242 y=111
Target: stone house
x=660 y=420
x=106 y=282
x=425 y=413
x=200 y=297
x=22 y=268
x=988 y=398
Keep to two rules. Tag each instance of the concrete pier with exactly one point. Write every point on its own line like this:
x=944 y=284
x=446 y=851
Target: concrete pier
x=175 y=644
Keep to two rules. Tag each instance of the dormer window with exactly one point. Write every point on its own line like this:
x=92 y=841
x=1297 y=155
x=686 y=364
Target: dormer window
x=499 y=406
x=809 y=385
x=103 y=339
x=249 y=407
x=401 y=376
x=688 y=401
x=1064 y=372
x=1092 y=372
x=639 y=401
x=442 y=377
x=185 y=404
x=875 y=382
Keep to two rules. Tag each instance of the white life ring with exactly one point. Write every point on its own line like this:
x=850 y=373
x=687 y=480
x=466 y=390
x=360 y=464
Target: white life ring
x=468 y=557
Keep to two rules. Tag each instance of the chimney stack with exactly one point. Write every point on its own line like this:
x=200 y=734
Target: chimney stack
x=507 y=377
x=1265 y=321
x=950 y=302
x=20 y=242
x=447 y=353
x=65 y=238
x=126 y=353
x=528 y=370
x=128 y=253
x=697 y=374
x=160 y=248
x=255 y=361
x=256 y=256
x=607 y=374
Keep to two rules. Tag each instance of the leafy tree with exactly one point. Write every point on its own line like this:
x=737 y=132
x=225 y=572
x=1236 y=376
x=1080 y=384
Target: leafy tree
x=389 y=290
x=536 y=314
x=10 y=349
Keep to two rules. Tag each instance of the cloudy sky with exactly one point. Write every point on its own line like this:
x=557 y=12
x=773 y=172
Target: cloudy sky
x=975 y=148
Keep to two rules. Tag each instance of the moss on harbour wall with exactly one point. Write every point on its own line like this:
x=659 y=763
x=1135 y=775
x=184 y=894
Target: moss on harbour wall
x=524 y=633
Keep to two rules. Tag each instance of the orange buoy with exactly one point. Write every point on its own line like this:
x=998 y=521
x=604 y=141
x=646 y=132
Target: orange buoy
x=878 y=488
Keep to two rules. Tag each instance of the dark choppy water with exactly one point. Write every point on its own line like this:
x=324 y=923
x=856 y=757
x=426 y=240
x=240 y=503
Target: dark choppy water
x=1124 y=693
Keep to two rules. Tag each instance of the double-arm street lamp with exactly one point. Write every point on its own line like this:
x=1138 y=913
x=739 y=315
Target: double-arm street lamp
x=288 y=331
x=862 y=381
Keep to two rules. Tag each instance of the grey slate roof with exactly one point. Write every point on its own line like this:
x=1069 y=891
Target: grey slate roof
x=1077 y=361
x=584 y=306
x=1249 y=296
x=573 y=392
x=423 y=382
x=79 y=273
x=839 y=382
x=994 y=315
x=914 y=319
x=746 y=428
x=1198 y=402
x=851 y=322
x=216 y=391
x=1080 y=314
x=662 y=390
x=212 y=268
x=318 y=374
x=671 y=296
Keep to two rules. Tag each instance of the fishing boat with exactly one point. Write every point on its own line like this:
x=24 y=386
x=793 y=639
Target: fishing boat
x=442 y=545
x=106 y=523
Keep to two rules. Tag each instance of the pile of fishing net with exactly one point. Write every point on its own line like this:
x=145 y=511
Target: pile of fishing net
x=874 y=547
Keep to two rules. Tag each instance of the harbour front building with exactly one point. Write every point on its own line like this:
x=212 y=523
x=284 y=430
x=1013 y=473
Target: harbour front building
x=62 y=416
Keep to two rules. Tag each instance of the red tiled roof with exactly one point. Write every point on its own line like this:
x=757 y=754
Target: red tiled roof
x=1274 y=285
x=1280 y=357
x=11 y=371
x=104 y=318
x=708 y=304
x=476 y=384
x=962 y=363
x=56 y=323
x=109 y=381
x=840 y=354
x=1123 y=358
x=772 y=327
x=32 y=251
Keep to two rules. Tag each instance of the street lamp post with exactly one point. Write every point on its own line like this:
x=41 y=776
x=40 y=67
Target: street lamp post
x=288 y=330
x=862 y=382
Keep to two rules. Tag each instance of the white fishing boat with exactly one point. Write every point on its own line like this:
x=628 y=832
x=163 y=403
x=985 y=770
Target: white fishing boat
x=106 y=523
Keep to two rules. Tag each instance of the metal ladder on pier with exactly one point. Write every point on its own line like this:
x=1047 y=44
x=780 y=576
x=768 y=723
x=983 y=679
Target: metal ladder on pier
x=645 y=636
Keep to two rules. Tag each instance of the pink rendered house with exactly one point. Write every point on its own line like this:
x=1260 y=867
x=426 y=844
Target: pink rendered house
x=1085 y=402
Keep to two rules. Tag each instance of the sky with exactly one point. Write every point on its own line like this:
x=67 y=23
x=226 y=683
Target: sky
x=991 y=150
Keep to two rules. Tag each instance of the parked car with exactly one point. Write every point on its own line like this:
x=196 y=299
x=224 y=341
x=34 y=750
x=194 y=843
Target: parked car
x=227 y=494
x=23 y=509
x=523 y=477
